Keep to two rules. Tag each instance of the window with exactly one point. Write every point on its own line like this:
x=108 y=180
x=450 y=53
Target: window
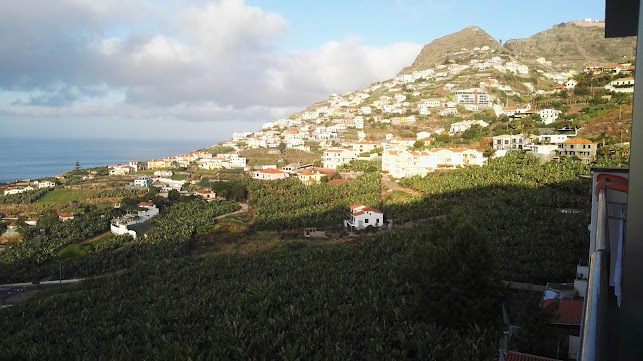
x=366 y=220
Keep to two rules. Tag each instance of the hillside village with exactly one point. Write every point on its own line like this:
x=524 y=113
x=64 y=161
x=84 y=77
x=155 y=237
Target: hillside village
x=445 y=151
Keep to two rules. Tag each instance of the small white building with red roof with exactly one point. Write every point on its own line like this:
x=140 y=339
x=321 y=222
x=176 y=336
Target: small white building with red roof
x=206 y=194
x=270 y=174
x=362 y=216
x=64 y=217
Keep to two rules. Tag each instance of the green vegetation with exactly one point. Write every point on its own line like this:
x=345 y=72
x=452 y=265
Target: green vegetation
x=64 y=195
x=288 y=204
x=24 y=197
x=116 y=192
x=363 y=165
x=307 y=302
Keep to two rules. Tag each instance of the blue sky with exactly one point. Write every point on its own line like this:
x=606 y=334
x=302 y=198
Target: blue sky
x=202 y=69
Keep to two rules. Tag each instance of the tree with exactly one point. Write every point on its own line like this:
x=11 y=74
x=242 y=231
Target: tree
x=489 y=152
x=173 y=195
x=48 y=219
x=282 y=147
x=77 y=167
x=453 y=271
x=419 y=145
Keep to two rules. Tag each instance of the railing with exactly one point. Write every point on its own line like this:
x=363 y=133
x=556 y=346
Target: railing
x=593 y=343
x=593 y=338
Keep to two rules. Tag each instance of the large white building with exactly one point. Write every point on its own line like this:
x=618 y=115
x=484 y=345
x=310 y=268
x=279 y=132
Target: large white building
x=473 y=96
x=401 y=164
x=334 y=158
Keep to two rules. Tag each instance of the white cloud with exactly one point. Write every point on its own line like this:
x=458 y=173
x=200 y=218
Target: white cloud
x=212 y=62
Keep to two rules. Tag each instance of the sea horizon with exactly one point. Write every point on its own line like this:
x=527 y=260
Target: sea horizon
x=34 y=158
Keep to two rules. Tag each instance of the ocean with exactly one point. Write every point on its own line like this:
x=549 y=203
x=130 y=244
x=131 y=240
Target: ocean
x=36 y=158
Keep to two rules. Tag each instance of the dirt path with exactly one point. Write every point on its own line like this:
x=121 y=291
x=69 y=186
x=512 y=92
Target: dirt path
x=95 y=238
x=244 y=208
x=388 y=186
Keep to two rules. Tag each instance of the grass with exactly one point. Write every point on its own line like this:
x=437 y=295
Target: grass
x=65 y=196
x=180 y=176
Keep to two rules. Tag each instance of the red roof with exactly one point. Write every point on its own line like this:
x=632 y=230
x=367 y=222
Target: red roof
x=203 y=191
x=66 y=215
x=518 y=356
x=363 y=209
x=578 y=141
x=272 y=171
x=307 y=173
x=559 y=86
x=145 y=204
x=570 y=312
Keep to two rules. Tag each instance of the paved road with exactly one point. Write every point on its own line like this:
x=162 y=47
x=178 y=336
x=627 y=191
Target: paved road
x=9 y=292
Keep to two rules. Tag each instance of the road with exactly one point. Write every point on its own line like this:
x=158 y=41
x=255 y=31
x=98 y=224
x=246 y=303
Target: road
x=11 y=294
x=244 y=208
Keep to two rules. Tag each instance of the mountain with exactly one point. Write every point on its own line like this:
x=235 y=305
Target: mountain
x=574 y=45
x=436 y=52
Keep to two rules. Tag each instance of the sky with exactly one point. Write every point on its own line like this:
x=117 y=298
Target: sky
x=198 y=69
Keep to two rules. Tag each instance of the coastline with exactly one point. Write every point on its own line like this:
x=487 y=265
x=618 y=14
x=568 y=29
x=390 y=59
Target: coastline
x=39 y=158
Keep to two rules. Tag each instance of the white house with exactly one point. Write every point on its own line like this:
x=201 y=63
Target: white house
x=422 y=135
x=570 y=84
x=549 y=116
x=46 y=184
x=461 y=126
x=362 y=216
x=333 y=158
x=143 y=181
x=622 y=82
x=206 y=194
x=270 y=174
x=163 y=173
x=365 y=146
x=510 y=141
x=553 y=138
x=122 y=225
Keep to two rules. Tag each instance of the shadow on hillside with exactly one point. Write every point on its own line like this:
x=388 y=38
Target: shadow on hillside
x=537 y=234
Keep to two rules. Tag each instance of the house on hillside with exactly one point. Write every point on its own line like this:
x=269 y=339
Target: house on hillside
x=206 y=194
x=64 y=217
x=143 y=181
x=362 y=217
x=584 y=149
x=132 y=223
x=548 y=116
x=269 y=174
x=310 y=177
x=510 y=141
x=334 y=158
x=163 y=173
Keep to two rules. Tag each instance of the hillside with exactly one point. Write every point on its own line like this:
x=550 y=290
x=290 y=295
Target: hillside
x=569 y=46
x=436 y=52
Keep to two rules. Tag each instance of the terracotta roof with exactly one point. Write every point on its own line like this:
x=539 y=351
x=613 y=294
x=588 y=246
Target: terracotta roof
x=356 y=206
x=569 y=312
x=335 y=150
x=578 y=141
x=307 y=173
x=272 y=171
x=310 y=181
x=145 y=204
x=518 y=356
x=33 y=219
x=559 y=86
x=66 y=215
x=203 y=191
x=624 y=79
